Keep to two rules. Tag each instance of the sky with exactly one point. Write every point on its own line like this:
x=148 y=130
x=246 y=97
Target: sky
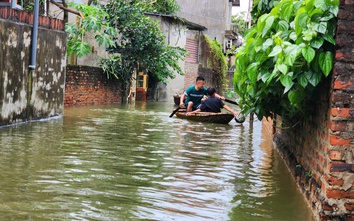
x=243 y=7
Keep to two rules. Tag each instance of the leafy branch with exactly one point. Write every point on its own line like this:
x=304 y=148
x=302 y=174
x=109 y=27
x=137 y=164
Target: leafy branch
x=93 y=20
x=286 y=55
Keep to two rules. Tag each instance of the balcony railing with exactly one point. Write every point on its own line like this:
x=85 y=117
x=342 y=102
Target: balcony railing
x=232 y=31
x=233 y=27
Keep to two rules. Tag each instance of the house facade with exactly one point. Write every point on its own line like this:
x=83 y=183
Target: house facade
x=198 y=17
x=216 y=17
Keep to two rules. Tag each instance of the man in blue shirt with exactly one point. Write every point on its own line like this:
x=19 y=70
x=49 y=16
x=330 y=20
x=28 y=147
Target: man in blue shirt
x=194 y=95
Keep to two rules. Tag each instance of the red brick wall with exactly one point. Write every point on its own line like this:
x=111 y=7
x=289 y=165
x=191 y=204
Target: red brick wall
x=319 y=150
x=27 y=17
x=191 y=73
x=89 y=86
x=193 y=70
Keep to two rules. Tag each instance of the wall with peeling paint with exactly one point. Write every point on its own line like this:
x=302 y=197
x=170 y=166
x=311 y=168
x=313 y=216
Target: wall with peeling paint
x=30 y=94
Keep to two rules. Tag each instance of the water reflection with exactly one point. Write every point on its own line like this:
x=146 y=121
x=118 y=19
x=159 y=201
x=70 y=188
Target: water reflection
x=136 y=163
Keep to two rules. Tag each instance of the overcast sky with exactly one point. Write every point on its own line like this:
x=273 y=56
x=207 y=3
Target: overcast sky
x=243 y=7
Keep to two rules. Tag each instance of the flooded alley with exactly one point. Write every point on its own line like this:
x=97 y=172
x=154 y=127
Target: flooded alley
x=133 y=162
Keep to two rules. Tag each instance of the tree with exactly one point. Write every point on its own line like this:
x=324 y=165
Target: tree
x=261 y=7
x=134 y=40
x=140 y=44
x=241 y=23
x=93 y=19
x=163 y=6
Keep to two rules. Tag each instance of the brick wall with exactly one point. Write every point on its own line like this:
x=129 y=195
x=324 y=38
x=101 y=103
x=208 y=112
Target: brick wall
x=90 y=86
x=193 y=70
x=191 y=73
x=319 y=150
x=27 y=17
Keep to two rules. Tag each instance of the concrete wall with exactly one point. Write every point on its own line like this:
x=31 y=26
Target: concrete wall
x=215 y=15
x=25 y=94
x=319 y=150
x=175 y=36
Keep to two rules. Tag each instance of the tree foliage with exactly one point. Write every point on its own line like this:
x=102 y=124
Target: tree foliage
x=285 y=56
x=94 y=20
x=241 y=23
x=163 y=6
x=140 y=43
x=134 y=39
x=212 y=52
x=261 y=7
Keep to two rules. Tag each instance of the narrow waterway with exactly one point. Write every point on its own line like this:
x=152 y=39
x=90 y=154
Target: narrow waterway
x=133 y=162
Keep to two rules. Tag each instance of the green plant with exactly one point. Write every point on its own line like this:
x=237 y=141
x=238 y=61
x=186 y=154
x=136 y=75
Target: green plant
x=93 y=20
x=261 y=7
x=309 y=174
x=140 y=44
x=216 y=60
x=241 y=23
x=163 y=6
x=285 y=56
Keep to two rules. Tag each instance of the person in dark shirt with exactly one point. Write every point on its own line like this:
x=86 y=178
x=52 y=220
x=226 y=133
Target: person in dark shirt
x=192 y=97
x=213 y=104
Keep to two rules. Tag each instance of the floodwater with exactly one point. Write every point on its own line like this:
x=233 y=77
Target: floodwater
x=133 y=162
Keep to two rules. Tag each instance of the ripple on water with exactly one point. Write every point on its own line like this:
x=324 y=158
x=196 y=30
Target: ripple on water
x=136 y=163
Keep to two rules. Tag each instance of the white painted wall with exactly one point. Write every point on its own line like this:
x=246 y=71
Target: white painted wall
x=175 y=36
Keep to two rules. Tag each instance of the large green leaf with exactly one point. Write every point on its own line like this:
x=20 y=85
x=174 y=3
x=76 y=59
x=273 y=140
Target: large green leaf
x=271 y=77
x=267 y=44
x=287 y=10
x=334 y=9
x=276 y=50
x=302 y=80
x=293 y=36
x=316 y=15
x=308 y=53
x=286 y=81
x=317 y=42
x=241 y=61
x=321 y=4
x=302 y=19
x=82 y=48
x=268 y=24
x=330 y=39
x=291 y=53
x=261 y=22
x=321 y=27
x=252 y=72
x=295 y=98
x=283 y=25
x=309 y=5
x=326 y=62
x=313 y=77
x=265 y=76
x=282 y=68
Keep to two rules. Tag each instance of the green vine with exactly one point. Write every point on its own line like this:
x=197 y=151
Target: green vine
x=216 y=59
x=286 y=55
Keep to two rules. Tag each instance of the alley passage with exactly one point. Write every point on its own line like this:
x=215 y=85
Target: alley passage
x=136 y=163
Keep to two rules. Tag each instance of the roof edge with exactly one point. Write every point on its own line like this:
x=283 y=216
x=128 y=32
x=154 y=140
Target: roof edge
x=190 y=25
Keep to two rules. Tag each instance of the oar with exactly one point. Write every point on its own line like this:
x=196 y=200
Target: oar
x=240 y=118
x=231 y=101
x=175 y=111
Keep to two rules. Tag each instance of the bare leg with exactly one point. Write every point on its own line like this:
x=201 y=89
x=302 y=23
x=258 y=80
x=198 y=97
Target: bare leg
x=190 y=106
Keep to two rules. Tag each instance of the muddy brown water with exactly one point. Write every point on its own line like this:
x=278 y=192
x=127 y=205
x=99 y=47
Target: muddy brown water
x=133 y=162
